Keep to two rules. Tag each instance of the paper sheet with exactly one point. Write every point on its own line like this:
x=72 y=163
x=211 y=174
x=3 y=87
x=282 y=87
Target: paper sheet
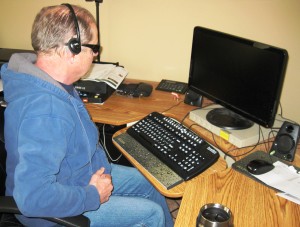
x=110 y=74
x=289 y=197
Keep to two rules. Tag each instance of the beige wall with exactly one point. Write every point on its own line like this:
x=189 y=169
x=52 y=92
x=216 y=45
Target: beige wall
x=152 y=39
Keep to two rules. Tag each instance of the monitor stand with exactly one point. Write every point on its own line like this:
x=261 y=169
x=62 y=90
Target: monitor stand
x=239 y=138
x=228 y=120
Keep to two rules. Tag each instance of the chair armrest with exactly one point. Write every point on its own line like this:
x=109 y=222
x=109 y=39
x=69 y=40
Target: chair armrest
x=8 y=205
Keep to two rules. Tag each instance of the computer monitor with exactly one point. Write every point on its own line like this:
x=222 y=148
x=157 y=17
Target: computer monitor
x=243 y=76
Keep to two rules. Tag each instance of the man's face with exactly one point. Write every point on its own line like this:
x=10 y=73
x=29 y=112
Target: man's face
x=86 y=56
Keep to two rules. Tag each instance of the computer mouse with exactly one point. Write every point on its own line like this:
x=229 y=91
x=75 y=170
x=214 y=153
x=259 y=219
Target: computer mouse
x=258 y=166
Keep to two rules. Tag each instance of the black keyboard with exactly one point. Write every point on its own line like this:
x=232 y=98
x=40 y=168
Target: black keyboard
x=172 y=86
x=175 y=145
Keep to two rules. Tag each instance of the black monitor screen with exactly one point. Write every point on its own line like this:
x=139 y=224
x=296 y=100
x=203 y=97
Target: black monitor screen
x=243 y=76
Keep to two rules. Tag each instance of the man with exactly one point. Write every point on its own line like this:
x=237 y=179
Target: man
x=55 y=164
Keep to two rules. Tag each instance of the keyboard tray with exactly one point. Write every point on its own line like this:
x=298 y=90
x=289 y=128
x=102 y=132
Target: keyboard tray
x=167 y=177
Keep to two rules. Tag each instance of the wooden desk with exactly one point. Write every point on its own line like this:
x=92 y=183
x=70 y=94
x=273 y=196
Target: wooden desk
x=251 y=203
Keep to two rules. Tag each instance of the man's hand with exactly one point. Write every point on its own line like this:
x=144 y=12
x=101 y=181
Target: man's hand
x=103 y=184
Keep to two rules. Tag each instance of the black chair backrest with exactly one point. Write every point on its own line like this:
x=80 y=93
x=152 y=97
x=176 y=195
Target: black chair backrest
x=2 y=153
x=2 y=109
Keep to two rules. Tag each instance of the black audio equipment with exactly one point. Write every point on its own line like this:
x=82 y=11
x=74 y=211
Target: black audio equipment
x=74 y=44
x=285 y=143
x=192 y=98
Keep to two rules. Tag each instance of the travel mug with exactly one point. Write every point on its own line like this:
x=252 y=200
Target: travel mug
x=214 y=215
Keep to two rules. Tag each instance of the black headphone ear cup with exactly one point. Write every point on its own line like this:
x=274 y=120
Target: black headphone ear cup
x=74 y=46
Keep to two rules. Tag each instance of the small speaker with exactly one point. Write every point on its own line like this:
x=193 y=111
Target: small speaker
x=285 y=143
x=192 y=98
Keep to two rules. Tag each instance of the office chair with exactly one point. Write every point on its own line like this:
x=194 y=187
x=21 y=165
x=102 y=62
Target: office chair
x=8 y=205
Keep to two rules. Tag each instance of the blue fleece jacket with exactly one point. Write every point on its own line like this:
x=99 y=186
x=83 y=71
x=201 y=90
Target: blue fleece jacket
x=51 y=142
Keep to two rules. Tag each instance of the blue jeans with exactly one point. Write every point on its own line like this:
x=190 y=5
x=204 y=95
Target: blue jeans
x=134 y=203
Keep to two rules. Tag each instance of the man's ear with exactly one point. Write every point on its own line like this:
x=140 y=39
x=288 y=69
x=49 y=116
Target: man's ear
x=69 y=57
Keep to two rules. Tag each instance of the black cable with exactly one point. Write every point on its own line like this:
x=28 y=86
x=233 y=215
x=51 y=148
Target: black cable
x=271 y=136
x=103 y=143
x=284 y=118
x=172 y=107
x=262 y=135
x=188 y=114
x=213 y=137
x=281 y=110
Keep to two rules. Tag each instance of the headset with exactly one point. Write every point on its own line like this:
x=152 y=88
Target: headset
x=74 y=44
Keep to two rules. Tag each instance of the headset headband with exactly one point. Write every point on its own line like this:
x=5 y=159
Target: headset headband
x=74 y=44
